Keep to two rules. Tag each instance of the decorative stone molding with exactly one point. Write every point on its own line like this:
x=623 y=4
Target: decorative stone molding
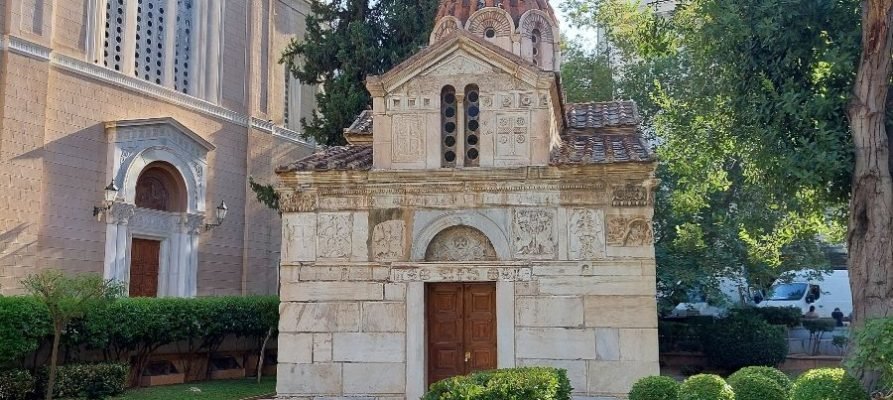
x=473 y=219
x=631 y=195
x=490 y=17
x=461 y=274
x=629 y=231
x=297 y=202
x=94 y=71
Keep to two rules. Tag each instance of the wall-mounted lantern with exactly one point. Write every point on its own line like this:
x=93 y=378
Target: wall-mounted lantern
x=111 y=193
x=221 y=211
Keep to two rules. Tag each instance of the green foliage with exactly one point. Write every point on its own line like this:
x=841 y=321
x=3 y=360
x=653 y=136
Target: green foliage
x=874 y=349
x=743 y=340
x=655 y=388
x=16 y=384
x=347 y=40
x=266 y=194
x=86 y=381
x=756 y=387
x=748 y=104
x=24 y=322
x=208 y=390
x=705 y=387
x=530 y=383
x=586 y=76
x=787 y=316
x=816 y=326
x=827 y=384
x=770 y=373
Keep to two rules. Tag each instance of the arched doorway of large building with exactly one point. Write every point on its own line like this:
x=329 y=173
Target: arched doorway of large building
x=160 y=187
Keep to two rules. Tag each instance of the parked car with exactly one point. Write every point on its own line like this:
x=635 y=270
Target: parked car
x=802 y=289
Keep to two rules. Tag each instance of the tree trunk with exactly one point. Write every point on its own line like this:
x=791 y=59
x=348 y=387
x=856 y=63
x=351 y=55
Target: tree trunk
x=870 y=236
x=54 y=355
x=260 y=358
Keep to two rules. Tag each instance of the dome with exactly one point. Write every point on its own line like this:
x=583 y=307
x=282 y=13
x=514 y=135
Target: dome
x=462 y=9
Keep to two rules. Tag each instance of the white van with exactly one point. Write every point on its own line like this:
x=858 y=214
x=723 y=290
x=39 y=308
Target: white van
x=734 y=291
x=802 y=289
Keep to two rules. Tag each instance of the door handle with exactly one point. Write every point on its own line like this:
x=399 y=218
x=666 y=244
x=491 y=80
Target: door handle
x=467 y=356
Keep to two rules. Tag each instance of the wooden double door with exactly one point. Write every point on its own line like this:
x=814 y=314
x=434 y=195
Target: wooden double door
x=461 y=320
x=145 y=257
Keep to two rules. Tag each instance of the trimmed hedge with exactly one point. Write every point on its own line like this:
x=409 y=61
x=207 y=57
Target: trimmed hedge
x=757 y=387
x=24 y=323
x=81 y=381
x=655 y=388
x=705 y=387
x=770 y=373
x=787 y=316
x=827 y=384
x=744 y=340
x=528 y=383
x=16 y=384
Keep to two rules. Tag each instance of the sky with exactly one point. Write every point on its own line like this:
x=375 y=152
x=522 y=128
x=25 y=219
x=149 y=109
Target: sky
x=587 y=37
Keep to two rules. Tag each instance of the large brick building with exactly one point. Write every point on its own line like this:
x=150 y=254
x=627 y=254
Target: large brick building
x=177 y=102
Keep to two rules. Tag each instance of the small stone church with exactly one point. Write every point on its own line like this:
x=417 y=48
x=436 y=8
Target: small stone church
x=474 y=221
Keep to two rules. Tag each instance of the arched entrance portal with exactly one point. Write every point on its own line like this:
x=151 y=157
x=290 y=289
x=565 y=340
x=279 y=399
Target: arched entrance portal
x=160 y=187
x=461 y=316
x=153 y=230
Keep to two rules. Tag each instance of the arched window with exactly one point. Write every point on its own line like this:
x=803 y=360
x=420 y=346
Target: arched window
x=448 y=127
x=472 y=126
x=536 y=39
x=160 y=187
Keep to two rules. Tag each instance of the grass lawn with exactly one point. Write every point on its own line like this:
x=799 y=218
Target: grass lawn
x=210 y=390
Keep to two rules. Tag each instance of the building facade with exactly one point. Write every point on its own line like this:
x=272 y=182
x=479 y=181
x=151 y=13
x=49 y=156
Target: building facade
x=173 y=103
x=475 y=221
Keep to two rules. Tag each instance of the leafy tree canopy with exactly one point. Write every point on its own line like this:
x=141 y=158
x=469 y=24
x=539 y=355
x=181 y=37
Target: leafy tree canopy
x=746 y=102
x=346 y=40
x=585 y=74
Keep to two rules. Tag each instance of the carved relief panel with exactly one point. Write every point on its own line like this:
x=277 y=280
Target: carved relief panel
x=512 y=135
x=629 y=231
x=460 y=243
x=408 y=140
x=534 y=233
x=387 y=241
x=586 y=234
x=298 y=237
x=334 y=235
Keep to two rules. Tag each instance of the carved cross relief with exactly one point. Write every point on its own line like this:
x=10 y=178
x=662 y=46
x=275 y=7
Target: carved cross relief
x=512 y=135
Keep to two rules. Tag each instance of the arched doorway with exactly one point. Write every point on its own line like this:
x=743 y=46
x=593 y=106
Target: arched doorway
x=461 y=315
x=160 y=187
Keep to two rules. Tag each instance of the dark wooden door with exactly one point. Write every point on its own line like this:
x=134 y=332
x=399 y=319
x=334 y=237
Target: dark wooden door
x=461 y=319
x=144 y=258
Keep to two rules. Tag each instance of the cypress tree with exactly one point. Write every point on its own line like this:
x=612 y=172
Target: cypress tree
x=347 y=40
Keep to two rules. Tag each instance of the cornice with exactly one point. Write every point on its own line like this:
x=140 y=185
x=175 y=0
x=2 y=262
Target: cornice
x=94 y=71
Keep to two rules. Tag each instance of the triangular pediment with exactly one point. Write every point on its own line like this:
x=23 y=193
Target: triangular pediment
x=150 y=128
x=461 y=53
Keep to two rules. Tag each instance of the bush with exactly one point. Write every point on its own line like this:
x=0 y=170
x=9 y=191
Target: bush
x=787 y=316
x=757 y=387
x=705 y=387
x=874 y=350
x=530 y=383
x=766 y=372
x=744 y=340
x=24 y=323
x=89 y=381
x=16 y=384
x=827 y=384
x=655 y=388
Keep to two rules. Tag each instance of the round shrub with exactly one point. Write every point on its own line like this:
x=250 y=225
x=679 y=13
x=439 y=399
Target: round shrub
x=16 y=384
x=756 y=387
x=827 y=384
x=655 y=388
x=744 y=340
x=766 y=372
x=705 y=387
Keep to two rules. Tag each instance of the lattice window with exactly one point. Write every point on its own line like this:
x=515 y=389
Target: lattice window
x=113 y=42
x=536 y=39
x=287 y=102
x=183 y=50
x=448 y=113
x=150 y=24
x=472 y=125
